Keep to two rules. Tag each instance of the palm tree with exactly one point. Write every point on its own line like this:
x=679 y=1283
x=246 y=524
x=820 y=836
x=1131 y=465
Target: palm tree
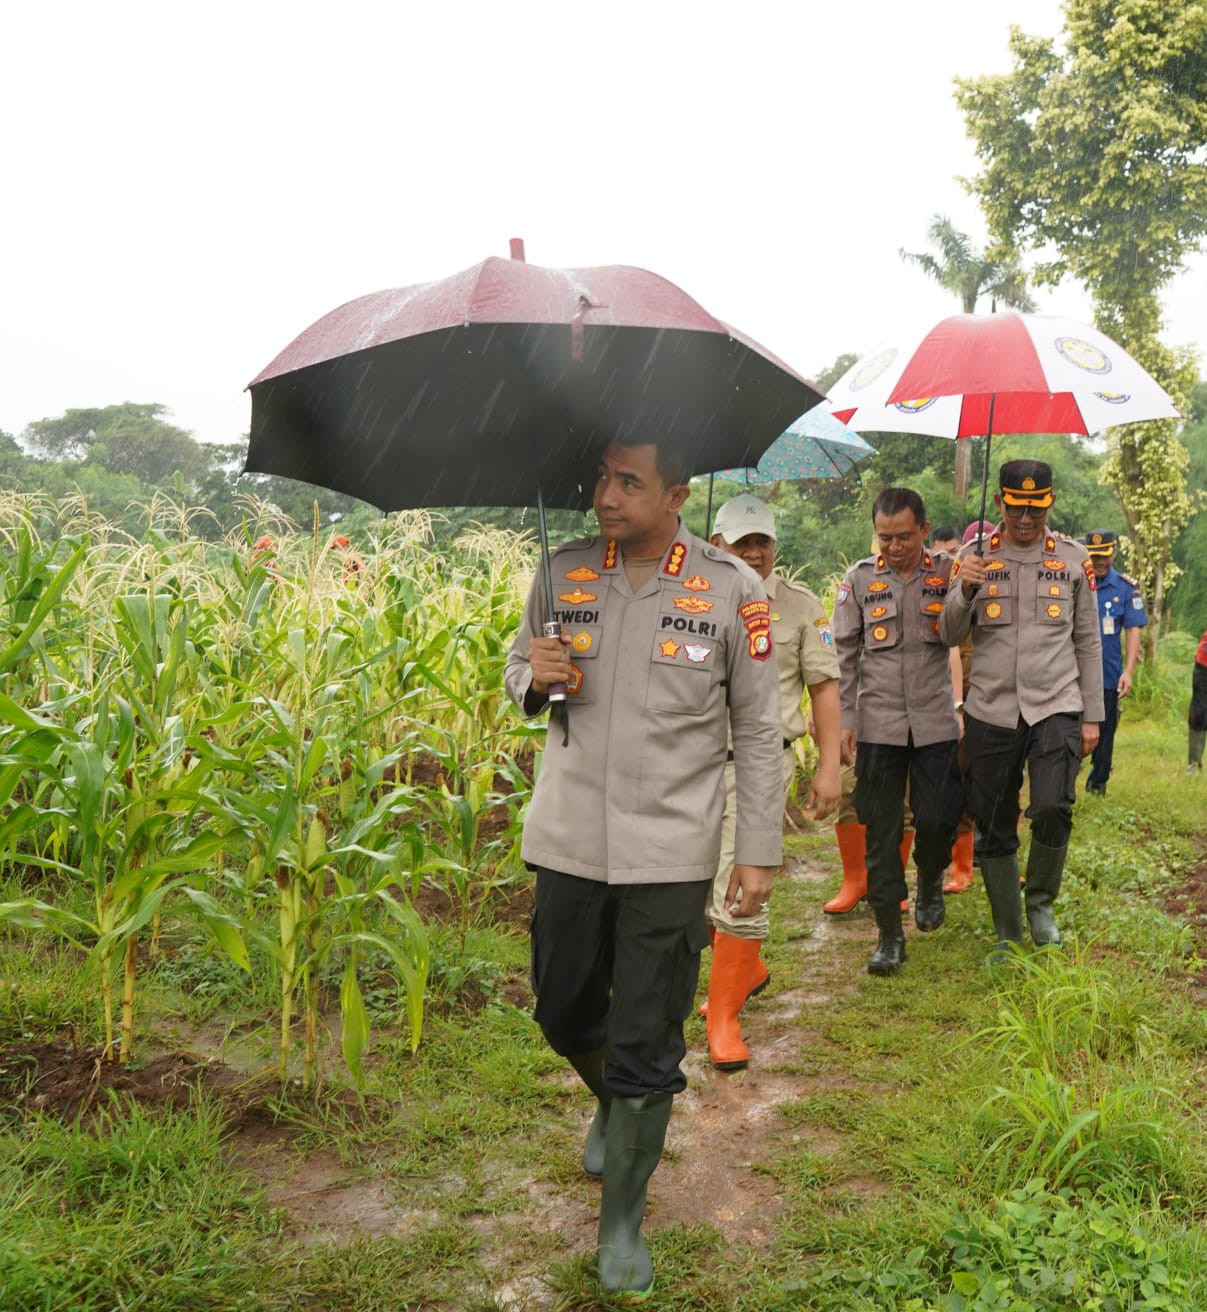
x=970 y=276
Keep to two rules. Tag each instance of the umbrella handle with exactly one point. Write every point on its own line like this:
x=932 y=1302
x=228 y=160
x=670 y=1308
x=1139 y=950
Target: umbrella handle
x=552 y=627
x=980 y=546
x=557 y=691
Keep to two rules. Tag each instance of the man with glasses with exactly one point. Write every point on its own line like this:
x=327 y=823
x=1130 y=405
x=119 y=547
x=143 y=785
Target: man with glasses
x=1035 y=693
x=898 y=715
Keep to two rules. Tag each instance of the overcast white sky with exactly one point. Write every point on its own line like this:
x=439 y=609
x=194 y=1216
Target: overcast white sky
x=188 y=187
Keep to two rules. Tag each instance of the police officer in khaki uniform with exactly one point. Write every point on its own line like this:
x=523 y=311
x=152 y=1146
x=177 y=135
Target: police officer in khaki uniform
x=805 y=658
x=668 y=658
x=898 y=715
x=1035 y=693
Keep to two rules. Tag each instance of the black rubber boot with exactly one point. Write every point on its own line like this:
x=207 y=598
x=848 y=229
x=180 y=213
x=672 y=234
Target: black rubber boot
x=589 y=1066
x=1000 y=874
x=636 y=1133
x=1045 y=869
x=890 y=950
x=929 y=907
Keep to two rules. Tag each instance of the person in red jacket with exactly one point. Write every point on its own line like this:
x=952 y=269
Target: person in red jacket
x=1197 y=719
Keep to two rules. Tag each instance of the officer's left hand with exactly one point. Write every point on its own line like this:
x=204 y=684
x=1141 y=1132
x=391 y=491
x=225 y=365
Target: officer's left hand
x=748 y=891
x=1089 y=738
x=825 y=792
x=1125 y=684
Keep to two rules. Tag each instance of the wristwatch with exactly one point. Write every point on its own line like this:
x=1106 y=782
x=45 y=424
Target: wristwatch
x=959 y=706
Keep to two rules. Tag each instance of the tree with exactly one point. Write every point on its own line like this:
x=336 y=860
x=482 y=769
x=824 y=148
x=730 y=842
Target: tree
x=1095 y=157
x=960 y=270
x=131 y=438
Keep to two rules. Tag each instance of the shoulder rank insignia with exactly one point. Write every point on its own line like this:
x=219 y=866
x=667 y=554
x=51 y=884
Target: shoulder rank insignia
x=611 y=554
x=675 y=557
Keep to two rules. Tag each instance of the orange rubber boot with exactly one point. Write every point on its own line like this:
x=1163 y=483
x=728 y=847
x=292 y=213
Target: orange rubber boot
x=907 y=846
x=759 y=978
x=960 y=876
x=852 y=846
x=737 y=972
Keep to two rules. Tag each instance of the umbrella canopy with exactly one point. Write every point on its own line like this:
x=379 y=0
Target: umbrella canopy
x=817 y=445
x=497 y=386
x=975 y=375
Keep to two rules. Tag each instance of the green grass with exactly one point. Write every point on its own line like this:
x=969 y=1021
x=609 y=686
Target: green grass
x=964 y=1139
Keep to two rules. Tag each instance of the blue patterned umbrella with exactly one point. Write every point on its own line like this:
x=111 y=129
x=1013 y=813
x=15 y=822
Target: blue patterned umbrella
x=814 y=446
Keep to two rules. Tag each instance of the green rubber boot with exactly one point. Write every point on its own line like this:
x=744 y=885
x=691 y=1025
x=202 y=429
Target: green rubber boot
x=1000 y=874
x=1045 y=869
x=636 y=1132
x=589 y=1066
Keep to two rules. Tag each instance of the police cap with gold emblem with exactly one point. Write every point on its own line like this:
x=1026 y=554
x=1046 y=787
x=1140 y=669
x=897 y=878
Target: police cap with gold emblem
x=1026 y=483
x=1101 y=542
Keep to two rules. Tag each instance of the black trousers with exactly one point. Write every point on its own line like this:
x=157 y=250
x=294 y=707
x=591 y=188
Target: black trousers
x=994 y=759
x=618 y=964
x=1197 y=715
x=935 y=797
x=1104 y=753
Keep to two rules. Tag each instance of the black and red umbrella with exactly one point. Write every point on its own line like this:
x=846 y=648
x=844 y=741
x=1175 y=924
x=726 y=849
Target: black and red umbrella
x=498 y=386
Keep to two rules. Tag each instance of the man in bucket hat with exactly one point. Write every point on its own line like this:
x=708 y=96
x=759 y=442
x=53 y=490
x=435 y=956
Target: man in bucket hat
x=1120 y=612
x=1035 y=693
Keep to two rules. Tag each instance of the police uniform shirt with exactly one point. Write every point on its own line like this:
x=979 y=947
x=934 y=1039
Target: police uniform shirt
x=1034 y=620
x=895 y=677
x=660 y=677
x=804 y=647
x=1120 y=606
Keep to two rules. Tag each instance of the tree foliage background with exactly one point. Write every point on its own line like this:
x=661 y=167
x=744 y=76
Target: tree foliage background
x=1095 y=157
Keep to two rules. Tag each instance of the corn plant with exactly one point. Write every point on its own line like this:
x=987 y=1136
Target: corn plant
x=329 y=833
x=127 y=848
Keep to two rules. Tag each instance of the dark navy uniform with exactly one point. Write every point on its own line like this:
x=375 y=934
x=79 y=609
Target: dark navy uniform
x=1120 y=607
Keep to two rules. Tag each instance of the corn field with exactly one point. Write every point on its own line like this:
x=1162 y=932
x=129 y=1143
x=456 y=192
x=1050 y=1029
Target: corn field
x=223 y=736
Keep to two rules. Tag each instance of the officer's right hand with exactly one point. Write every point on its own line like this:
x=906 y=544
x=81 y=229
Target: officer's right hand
x=972 y=574
x=549 y=661
x=846 y=747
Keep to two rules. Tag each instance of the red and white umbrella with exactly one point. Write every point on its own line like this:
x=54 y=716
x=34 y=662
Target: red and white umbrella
x=974 y=375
